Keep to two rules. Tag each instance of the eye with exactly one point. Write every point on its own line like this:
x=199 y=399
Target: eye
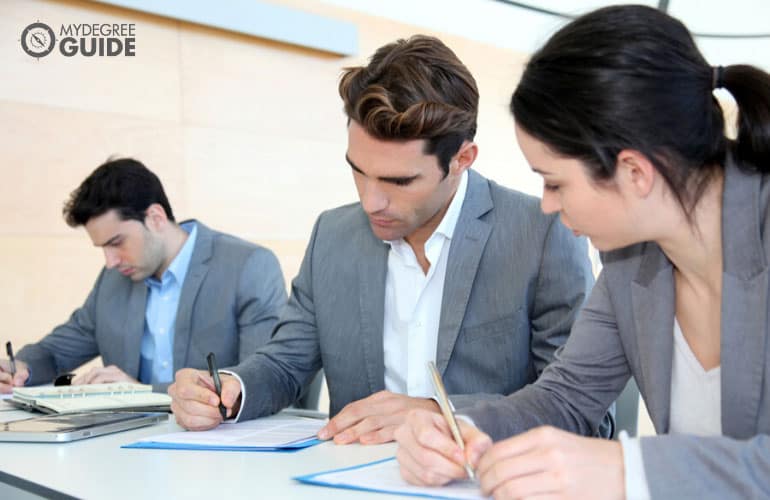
x=402 y=182
x=550 y=187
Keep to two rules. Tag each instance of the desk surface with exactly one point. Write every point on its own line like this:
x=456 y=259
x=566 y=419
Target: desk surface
x=99 y=468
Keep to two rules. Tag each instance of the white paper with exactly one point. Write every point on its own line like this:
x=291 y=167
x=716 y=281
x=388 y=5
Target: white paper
x=275 y=431
x=385 y=477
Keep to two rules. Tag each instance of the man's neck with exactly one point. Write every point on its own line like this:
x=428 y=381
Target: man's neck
x=173 y=242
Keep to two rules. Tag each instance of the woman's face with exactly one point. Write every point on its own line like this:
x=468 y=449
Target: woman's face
x=601 y=211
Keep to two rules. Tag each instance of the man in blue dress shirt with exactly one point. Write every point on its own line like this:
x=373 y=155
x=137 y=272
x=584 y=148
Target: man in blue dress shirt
x=168 y=295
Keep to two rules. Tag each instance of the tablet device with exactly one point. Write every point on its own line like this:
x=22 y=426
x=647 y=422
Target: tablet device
x=75 y=426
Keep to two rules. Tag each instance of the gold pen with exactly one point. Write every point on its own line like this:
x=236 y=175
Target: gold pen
x=446 y=409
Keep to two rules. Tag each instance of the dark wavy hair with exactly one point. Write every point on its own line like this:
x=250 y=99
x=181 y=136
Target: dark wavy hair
x=414 y=89
x=631 y=77
x=124 y=185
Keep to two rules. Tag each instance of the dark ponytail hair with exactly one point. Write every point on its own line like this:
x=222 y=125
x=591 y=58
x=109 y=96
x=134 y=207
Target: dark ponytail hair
x=631 y=77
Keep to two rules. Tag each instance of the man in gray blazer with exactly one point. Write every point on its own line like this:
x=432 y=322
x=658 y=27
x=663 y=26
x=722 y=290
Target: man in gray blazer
x=436 y=263
x=168 y=295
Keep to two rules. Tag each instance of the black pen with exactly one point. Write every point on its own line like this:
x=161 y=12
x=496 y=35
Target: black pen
x=9 y=351
x=212 y=361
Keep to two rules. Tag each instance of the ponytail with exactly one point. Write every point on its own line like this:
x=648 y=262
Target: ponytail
x=750 y=87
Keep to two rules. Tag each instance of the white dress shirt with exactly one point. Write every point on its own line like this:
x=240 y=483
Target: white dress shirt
x=413 y=305
x=696 y=408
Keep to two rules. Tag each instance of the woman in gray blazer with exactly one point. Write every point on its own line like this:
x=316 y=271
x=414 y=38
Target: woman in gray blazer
x=616 y=112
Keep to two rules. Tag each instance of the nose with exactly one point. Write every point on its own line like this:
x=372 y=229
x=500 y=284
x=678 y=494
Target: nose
x=550 y=202
x=373 y=199
x=111 y=258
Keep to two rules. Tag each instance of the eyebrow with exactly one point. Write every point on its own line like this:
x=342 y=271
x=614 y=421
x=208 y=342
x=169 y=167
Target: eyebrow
x=391 y=180
x=541 y=172
x=110 y=241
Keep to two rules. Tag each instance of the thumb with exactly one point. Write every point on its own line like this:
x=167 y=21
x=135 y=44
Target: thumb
x=231 y=390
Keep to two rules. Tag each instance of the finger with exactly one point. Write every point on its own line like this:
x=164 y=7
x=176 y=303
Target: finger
x=85 y=378
x=192 y=421
x=194 y=393
x=6 y=386
x=415 y=473
x=514 y=446
x=432 y=432
x=231 y=391
x=476 y=443
x=380 y=436
x=197 y=409
x=367 y=425
x=350 y=415
x=20 y=378
x=428 y=466
x=528 y=486
x=530 y=463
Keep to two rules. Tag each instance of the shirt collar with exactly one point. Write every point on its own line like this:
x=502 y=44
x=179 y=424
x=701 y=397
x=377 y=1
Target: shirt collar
x=181 y=263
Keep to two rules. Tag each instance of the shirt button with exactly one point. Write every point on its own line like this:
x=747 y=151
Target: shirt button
x=161 y=330
x=164 y=364
x=165 y=298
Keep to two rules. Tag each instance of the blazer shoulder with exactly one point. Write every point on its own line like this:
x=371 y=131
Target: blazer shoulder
x=519 y=211
x=232 y=249
x=341 y=220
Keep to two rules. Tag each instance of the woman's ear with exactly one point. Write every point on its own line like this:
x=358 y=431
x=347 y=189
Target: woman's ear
x=635 y=172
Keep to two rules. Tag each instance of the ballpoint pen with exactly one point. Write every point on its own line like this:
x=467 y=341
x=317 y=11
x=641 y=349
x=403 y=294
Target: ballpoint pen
x=212 y=361
x=446 y=409
x=9 y=351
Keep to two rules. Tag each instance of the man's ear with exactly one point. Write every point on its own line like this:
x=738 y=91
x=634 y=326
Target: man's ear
x=155 y=217
x=464 y=158
x=635 y=172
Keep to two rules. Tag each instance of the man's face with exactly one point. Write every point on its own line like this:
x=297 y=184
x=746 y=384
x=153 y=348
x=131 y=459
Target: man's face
x=402 y=189
x=129 y=245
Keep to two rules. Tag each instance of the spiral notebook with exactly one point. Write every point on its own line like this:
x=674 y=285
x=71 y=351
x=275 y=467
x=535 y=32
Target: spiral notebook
x=92 y=397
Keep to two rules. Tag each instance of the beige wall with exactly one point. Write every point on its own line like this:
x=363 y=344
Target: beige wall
x=246 y=134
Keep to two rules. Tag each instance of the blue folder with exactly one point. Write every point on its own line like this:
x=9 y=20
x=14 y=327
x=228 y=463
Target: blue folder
x=316 y=481
x=291 y=447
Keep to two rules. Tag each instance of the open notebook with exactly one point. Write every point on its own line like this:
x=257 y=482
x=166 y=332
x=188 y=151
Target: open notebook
x=92 y=397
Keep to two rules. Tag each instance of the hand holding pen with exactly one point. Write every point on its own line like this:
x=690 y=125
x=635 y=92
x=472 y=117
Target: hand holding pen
x=13 y=373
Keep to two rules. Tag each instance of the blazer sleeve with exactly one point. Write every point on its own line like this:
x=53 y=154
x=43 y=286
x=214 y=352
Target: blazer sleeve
x=575 y=391
x=685 y=466
x=68 y=346
x=261 y=297
x=275 y=375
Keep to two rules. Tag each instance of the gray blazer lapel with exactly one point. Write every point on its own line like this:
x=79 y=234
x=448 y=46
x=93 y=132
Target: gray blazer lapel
x=653 y=302
x=468 y=242
x=744 y=304
x=202 y=252
x=372 y=269
x=132 y=337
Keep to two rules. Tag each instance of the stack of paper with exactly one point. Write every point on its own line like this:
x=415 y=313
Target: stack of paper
x=276 y=433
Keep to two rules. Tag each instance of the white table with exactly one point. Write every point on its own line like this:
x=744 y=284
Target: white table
x=99 y=468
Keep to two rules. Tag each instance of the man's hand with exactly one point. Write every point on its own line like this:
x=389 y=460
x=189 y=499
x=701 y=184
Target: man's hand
x=195 y=402
x=373 y=420
x=8 y=381
x=103 y=375
x=553 y=463
x=427 y=453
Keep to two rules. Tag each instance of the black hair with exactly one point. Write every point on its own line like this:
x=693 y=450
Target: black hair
x=124 y=185
x=631 y=77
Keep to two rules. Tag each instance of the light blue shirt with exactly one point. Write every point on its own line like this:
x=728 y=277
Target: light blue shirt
x=157 y=353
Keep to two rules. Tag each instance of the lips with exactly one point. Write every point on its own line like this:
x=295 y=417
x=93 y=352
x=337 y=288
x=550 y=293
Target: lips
x=381 y=222
x=127 y=271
